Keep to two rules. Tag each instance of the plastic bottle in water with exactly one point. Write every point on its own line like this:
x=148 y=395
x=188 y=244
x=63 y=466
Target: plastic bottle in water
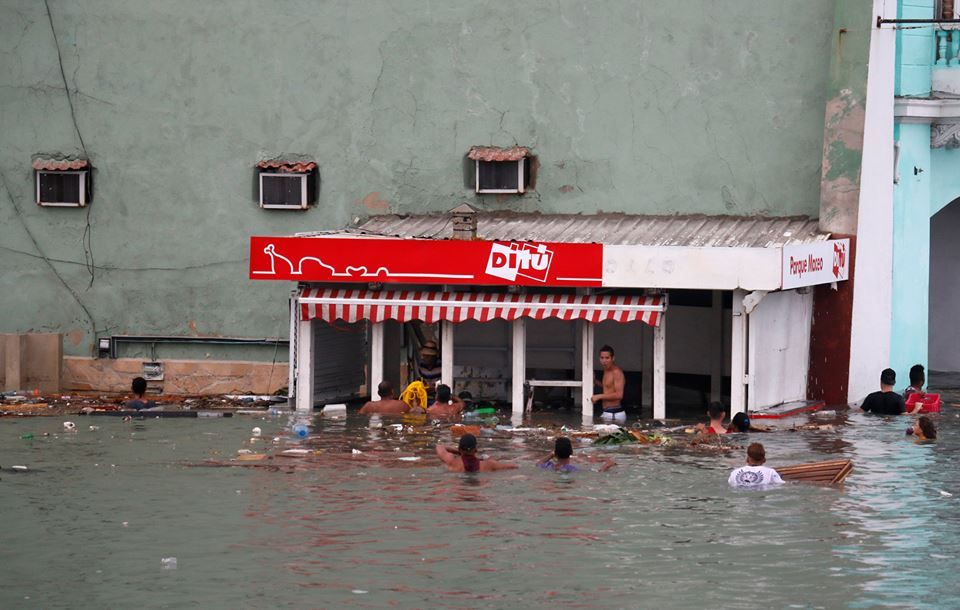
x=301 y=430
x=168 y=563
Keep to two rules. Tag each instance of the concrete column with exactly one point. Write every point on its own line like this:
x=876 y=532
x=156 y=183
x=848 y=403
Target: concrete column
x=519 y=354
x=392 y=353
x=586 y=366
x=716 y=362
x=646 y=372
x=446 y=353
x=660 y=369
x=305 y=366
x=738 y=355
x=911 y=252
x=292 y=347
x=870 y=331
x=376 y=358
x=15 y=358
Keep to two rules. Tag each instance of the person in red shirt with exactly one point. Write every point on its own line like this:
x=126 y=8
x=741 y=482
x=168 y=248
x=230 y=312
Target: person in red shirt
x=716 y=412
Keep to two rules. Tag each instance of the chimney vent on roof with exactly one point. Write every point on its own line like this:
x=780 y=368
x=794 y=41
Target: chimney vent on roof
x=464 y=222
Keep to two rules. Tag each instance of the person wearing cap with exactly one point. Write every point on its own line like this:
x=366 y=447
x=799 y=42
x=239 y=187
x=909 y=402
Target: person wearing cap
x=464 y=458
x=755 y=474
x=741 y=423
x=446 y=404
x=886 y=401
x=388 y=403
x=428 y=365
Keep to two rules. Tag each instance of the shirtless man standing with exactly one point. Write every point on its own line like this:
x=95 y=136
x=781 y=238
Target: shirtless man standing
x=388 y=403
x=613 y=381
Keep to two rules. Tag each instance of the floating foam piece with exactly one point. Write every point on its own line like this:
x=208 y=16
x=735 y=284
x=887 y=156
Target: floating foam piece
x=295 y=452
x=606 y=429
x=335 y=409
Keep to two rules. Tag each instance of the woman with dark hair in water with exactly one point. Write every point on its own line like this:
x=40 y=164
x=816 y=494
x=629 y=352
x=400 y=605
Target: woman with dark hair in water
x=562 y=457
x=468 y=461
x=924 y=430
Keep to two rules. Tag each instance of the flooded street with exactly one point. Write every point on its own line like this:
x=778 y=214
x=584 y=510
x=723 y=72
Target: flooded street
x=96 y=519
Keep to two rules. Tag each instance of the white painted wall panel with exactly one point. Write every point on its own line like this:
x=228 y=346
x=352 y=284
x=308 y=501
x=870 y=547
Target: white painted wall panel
x=695 y=268
x=779 y=345
x=872 y=288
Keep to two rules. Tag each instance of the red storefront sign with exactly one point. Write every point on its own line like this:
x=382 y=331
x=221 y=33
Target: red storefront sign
x=425 y=261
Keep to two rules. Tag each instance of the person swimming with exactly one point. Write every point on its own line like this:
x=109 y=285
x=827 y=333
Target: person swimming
x=923 y=430
x=466 y=450
x=561 y=458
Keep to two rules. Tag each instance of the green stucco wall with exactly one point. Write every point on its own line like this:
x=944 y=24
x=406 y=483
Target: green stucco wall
x=844 y=117
x=643 y=107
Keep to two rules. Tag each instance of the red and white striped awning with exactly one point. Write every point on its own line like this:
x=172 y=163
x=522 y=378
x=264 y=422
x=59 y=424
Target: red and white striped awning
x=332 y=304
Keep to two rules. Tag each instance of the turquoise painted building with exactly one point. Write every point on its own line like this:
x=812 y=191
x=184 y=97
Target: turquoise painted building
x=926 y=184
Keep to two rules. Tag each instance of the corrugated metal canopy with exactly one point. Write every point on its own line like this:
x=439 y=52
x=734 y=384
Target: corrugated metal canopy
x=620 y=229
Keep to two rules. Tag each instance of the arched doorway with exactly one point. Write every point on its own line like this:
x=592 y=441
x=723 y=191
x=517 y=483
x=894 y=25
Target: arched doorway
x=943 y=330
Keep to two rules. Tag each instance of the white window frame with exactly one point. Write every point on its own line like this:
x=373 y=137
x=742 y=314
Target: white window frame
x=521 y=163
x=304 y=202
x=64 y=204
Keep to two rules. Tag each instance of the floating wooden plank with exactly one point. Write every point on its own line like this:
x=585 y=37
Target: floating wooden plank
x=787 y=409
x=831 y=471
x=154 y=414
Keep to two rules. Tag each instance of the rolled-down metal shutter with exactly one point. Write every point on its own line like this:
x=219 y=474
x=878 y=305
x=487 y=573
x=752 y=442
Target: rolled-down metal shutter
x=339 y=360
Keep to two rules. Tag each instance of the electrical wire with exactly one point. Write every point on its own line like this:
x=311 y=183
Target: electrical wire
x=116 y=268
x=87 y=239
x=36 y=244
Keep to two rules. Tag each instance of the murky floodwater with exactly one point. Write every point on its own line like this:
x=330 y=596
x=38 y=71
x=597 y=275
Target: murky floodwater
x=88 y=525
